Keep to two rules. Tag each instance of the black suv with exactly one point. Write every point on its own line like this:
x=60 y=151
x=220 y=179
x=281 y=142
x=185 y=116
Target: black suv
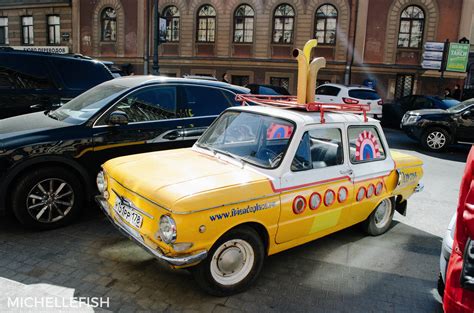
x=437 y=128
x=37 y=81
x=49 y=160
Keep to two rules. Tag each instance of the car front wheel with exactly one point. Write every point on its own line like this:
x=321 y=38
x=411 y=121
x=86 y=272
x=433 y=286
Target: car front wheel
x=47 y=198
x=435 y=139
x=233 y=263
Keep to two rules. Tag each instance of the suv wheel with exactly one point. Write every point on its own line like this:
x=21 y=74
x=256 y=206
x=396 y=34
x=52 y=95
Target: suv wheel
x=435 y=139
x=47 y=198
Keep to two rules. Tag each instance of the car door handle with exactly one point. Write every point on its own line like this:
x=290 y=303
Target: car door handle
x=346 y=172
x=194 y=132
x=173 y=135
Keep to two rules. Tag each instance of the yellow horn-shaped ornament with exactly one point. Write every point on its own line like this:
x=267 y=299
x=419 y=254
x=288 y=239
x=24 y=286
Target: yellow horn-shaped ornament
x=314 y=68
x=302 y=75
x=308 y=47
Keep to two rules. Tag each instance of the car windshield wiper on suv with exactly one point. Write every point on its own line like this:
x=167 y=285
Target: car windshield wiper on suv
x=52 y=115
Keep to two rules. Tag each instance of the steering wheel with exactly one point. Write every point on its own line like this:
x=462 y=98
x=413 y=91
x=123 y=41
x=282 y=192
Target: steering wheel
x=271 y=155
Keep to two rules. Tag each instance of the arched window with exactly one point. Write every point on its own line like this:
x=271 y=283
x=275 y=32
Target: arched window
x=325 y=25
x=412 y=21
x=206 y=24
x=243 y=23
x=283 y=21
x=171 y=14
x=109 y=24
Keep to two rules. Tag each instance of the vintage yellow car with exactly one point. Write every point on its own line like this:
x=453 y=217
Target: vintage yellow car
x=259 y=181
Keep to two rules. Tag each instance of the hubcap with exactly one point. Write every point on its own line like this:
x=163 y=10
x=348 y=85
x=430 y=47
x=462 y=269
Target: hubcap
x=436 y=140
x=232 y=262
x=382 y=213
x=50 y=200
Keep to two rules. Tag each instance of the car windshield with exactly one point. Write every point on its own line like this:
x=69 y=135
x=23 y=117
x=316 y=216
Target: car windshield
x=84 y=106
x=249 y=137
x=461 y=106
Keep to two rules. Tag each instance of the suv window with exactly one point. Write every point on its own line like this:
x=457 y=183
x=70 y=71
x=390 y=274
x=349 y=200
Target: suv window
x=364 y=94
x=365 y=144
x=422 y=103
x=149 y=104
x=319 y=148
x=24 y=73
x=327 y=91
x=81 y=74
x=205 y=101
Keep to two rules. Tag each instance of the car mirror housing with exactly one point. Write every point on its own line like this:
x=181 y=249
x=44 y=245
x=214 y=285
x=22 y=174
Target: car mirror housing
x=117 y=118
x=466 y=114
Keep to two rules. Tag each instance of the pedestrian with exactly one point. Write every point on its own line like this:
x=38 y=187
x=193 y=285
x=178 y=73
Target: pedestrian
x=457 y=92
x=447 y=93
x=225 y=78
x=458 y=299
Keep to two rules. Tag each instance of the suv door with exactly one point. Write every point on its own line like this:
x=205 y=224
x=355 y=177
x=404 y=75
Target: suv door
x=370 y=164
x=316 y=193
x=200 y=107
x=327 y=94
x=153 y=124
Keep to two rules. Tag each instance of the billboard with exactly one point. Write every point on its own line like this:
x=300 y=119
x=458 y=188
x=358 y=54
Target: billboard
x=458 y=56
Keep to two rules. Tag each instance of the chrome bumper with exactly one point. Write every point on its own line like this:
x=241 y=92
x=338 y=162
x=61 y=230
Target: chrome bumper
x=137 y=238
x=419 y=187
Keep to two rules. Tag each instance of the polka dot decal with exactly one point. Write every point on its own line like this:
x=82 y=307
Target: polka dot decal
x=329 y=197
x=342 y=194
x=378 y=188
x=299 y=204
x=315 y=201
x=361 y=193
x=370 y=190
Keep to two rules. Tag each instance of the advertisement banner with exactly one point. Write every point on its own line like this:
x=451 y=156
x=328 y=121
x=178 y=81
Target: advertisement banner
x=458 y=57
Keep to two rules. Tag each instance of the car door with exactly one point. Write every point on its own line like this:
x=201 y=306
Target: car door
x=316 y=193
x=465 y=125
x=153 y=124
x=327 y=94
x=200 y=106
x=371 y=165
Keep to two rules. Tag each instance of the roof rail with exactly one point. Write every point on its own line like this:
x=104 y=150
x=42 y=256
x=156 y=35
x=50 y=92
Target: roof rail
x=290 y=102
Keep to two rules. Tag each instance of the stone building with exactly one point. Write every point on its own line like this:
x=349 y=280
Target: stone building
x=36 y=24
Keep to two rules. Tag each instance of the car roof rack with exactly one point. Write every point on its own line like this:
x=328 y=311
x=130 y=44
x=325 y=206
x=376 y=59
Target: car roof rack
x=290 y=102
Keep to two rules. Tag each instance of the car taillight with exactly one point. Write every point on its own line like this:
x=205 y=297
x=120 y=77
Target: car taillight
x=350 y=101
x=380 y=102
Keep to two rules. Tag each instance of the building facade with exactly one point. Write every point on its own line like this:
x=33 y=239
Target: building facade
x=373 y=41
x=36 y=25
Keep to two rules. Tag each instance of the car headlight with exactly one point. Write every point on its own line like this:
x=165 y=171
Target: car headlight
x=101 y=182
x=410 y=119
x=167 y=229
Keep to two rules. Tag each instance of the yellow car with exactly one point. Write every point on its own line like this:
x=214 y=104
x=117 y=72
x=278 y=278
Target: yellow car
x=259 y=181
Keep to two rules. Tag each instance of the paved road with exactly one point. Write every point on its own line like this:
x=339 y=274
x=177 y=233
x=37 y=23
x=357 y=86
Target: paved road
x=344 y=272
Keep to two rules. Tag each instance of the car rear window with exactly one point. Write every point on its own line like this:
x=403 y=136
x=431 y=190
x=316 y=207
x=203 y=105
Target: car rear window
x=364 y=94
x=328 y=91
x=81 y=74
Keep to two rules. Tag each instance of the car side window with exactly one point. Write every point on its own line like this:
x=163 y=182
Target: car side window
x=327 y=91
x=422 y=103
x=81 y=74
x=319 y=148
x=24 y=74
x=406 y=102
x=204 y=101
x=149 y=104
x=365 y=144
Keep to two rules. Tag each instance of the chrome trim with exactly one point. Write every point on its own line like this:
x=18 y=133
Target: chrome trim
x=419 y=187
x=157 y=253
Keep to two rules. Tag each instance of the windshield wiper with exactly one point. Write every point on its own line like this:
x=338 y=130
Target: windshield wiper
x=50 y=114
x=206 y=147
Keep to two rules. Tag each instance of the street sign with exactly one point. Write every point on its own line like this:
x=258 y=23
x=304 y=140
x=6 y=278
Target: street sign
x=50 y=49
x=432 y=55
x=431 y=65
x=434 y=46
x=458 y=57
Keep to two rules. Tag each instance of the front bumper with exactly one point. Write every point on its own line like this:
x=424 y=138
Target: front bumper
x=183 y=260
x=413 y=131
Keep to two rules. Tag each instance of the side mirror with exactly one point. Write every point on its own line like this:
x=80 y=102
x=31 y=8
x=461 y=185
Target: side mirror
x=117 y=118
x=466 y=114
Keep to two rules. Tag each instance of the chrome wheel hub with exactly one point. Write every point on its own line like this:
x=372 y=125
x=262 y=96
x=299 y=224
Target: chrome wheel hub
x=383 y=213
x=50 y=200
x=436 y=140
x=232 y=262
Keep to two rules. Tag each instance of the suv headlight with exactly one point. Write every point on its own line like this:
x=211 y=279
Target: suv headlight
x=101 y=182
x=167 y=230
x=410 y=119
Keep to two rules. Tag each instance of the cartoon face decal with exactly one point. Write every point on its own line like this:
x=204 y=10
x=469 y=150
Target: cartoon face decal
x=279 y=131
x=299 y=204
x=367 y=146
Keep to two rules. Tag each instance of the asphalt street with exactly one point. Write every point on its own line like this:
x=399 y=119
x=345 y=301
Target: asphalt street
x=344 y=272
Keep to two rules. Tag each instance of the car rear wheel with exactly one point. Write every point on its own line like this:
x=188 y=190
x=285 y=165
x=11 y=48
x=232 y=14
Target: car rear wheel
x=380 y=219
x=435 y=139
x=47 y=198
x=233 y=264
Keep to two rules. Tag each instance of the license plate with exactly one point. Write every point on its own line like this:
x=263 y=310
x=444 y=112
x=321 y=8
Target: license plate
x=128 y=214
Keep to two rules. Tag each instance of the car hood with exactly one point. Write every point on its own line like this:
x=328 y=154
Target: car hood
x=24 y=126
x=428 y=112
x=184 y=176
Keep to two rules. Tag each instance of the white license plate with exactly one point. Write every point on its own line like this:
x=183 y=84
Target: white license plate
x=128 y=214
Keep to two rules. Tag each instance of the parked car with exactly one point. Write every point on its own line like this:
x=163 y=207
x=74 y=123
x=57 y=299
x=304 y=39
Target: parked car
x=271 y=90
x=435 y=129
x=38 y=81
x=446 y=250
x=49 y=160
x=393 y=112
x=336 y=93
x=259 y=181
